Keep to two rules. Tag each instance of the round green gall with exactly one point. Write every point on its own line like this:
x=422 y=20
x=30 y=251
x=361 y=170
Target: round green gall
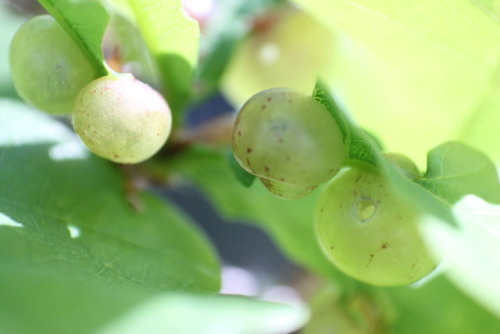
x=289 y=140
x=122 y=119
x=370 y=232
x=47 y=68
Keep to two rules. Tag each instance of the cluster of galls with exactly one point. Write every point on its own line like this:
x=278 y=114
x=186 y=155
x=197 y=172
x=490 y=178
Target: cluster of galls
x=292 y=143
x=287 y=139
x=117 y=116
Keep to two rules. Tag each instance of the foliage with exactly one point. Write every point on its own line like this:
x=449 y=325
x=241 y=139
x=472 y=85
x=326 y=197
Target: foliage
x=85 y=249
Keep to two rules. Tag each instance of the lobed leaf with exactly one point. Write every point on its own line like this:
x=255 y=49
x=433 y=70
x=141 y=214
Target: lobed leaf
x=455 y=170
x=68 y=210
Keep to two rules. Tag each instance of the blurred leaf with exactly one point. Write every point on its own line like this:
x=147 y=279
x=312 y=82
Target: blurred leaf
x=287 y=47
x=74 y=212
x=471 y=251
x=431 y=307
x=455 y=170
x=173 y=39
x=434 y=16
x=290 y=223
x=85 y=21
x=436 y=308
x=361 y=312
x=481 y=129
x=36 y=300
x=401 y=66
x=21 y=124
x=9 y=23
x=490 y=7
x=225 y=30
x=189 y=314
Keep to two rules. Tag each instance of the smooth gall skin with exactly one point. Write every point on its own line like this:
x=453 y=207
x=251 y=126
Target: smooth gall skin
x=289 y=140
x=47 y=67
x=370 y=232
x=122 y=119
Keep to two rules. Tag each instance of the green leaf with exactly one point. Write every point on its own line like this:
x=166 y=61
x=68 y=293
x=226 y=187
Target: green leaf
x=77 y=257
x=173 y=39
x=490 y=7
x=471 y=250
x=188 y=314
x=450 y=310
x=71 y=209
x=363 y=148
x=400 y=66
x=361 y=145
x=38 y=301
x=85 y=21
x=35 y=301
x=455 y=170
x=322 y=94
